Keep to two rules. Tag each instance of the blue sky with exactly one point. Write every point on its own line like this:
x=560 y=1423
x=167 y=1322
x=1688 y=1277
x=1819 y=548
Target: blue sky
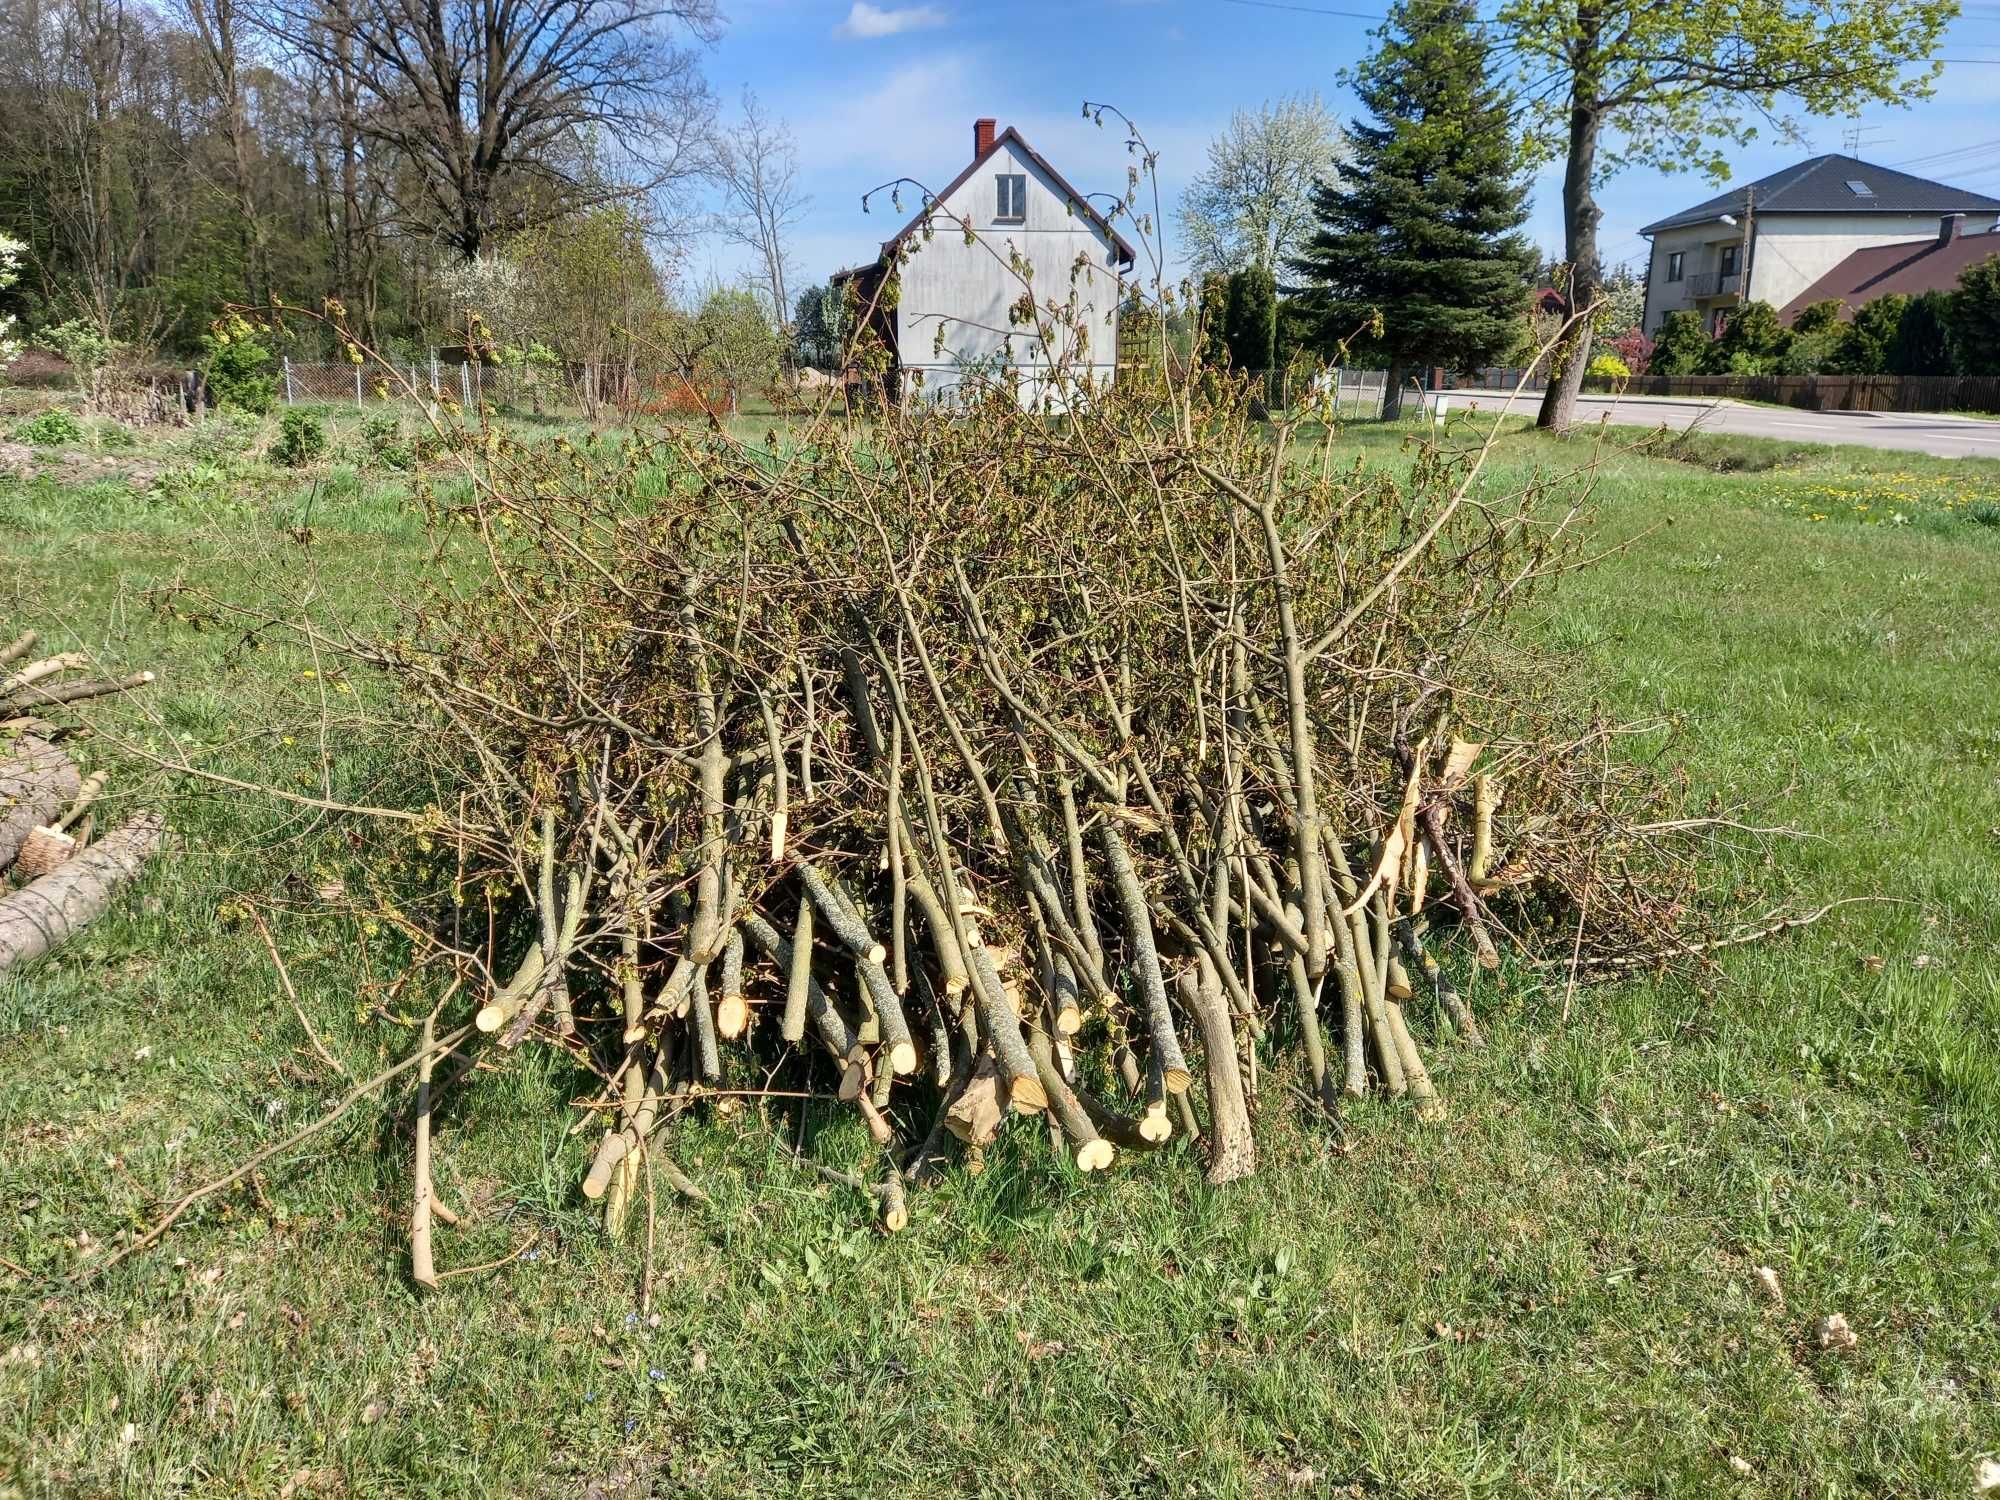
x=890 y=88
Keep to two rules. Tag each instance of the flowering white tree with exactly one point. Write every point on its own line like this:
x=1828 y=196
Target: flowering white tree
x=11 y=251
x=1253 y=206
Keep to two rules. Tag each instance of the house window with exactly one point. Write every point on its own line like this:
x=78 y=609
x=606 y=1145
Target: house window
x=1728 y=264
x=1013 y=208
x=1859 y=188
x=1675 y=260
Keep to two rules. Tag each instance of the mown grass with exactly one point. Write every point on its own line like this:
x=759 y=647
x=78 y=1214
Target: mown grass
x=1551 y=1294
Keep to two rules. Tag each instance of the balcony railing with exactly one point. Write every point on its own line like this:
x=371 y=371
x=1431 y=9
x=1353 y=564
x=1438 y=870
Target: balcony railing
x=1705 y=284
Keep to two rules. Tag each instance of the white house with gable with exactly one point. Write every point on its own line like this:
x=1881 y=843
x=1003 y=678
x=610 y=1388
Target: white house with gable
x=951 y=314
x=1769 y=240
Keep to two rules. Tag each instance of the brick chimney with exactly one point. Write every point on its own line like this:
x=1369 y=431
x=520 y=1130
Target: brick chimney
x=982 y=138
x=1950 y=227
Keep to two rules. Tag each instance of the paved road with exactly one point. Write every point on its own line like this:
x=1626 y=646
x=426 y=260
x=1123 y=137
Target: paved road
x=1942 y=437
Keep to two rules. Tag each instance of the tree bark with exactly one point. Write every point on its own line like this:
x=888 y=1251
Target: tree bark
x=1580 y=219
x=1232 y=1151
x=37 y=782
x=1392 y=391
x=46 y=913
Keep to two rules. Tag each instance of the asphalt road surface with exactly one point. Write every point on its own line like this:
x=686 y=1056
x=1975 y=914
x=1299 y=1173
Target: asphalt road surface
x=1942 y=437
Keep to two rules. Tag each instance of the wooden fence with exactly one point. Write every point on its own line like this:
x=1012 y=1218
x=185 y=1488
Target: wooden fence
x=1912 y=393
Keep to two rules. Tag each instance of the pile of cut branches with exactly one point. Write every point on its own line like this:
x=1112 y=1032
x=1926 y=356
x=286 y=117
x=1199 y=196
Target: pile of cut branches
x=978 y=763
x=45 y=806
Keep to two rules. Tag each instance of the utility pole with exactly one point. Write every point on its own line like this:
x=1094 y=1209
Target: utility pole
x=1743 y=255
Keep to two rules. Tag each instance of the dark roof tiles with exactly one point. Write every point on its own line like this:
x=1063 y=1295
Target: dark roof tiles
x=1819 y=185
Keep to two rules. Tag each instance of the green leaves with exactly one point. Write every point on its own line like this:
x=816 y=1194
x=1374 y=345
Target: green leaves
x=1678 y=84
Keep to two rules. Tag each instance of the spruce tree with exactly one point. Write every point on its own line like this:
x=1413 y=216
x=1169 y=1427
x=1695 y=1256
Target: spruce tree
x=1421 y=224
x=1922 y=345
x=1252 y=330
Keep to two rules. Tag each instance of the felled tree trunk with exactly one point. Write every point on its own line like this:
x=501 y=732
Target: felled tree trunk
x=37 y=781
x=46 y=913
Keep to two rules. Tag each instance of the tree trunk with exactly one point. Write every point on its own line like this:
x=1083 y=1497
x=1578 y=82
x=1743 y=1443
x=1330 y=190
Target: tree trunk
x=46 y=913
x=1580 y=220
x=1392 y=391
x=37 y=781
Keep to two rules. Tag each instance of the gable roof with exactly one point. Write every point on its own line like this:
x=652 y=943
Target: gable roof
x=1912 y=266
x=1819 y=185
x=1078 y=203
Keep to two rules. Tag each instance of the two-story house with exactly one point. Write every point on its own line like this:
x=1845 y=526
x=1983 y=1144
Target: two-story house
x=953 y=313
x=1770 y=240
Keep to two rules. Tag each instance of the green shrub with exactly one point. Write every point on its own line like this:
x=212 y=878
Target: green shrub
x=219 y=437
x=239 y=368
x=1865 y=350
x=382 y=435
x=1682 y=346
x=1975 y=320
x=1752 y=343
x=1814 y=351
x=109 y=434
x=52 y=429
x=1608 y=367
x=1984 y=513
x=301 y=438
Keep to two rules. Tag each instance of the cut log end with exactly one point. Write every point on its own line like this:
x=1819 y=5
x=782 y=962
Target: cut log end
x=732 y=1017
x=1069 y=1021
x=877 y=954
x=632 y=1037
x=1177 y=1080
x=45 y=849
x=853 y=1078
x=903 y=1058
x=1027 y=1095
x=492 y=1017
x=1154 y=1124
x=1094 y=1156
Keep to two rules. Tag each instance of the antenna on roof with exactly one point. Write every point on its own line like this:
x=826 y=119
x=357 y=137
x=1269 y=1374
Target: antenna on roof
x=1855 y=137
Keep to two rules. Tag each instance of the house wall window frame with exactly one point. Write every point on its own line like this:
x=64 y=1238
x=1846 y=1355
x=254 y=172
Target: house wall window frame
x=1010 y=198
x=1726 y=260
x=1676 y=264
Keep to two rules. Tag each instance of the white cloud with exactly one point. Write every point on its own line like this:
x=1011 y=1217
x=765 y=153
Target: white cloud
x=866 y=22
x=915 y=121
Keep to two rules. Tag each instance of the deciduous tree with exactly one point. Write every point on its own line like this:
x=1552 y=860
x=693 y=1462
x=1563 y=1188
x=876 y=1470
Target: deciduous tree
x=1612 y=83
x=1252 y=204
x=757 y=171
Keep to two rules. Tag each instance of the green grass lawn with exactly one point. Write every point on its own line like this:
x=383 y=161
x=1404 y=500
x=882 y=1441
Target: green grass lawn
x=1552 y=1293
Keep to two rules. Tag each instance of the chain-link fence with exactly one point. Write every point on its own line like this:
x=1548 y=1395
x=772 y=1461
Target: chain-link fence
x=469 y=385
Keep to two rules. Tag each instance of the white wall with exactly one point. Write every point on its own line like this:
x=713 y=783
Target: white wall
x=1790 y=252
x=1795 y=250
x=966 y=290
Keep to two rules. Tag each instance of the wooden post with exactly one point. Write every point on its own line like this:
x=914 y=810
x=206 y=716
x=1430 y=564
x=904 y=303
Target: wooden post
x=289 y=397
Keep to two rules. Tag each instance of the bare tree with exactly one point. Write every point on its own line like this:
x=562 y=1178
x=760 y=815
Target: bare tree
x=500 y=112
x=1253 y=205
x=757 y=169
x=217 y=28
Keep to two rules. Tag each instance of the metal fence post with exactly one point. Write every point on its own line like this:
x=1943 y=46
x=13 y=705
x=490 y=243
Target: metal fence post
x=465 y=387
x=289 y=398
x=357 y=388
x=434 y=374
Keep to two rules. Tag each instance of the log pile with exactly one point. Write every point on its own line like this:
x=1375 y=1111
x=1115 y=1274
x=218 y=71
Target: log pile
x=46 y=815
